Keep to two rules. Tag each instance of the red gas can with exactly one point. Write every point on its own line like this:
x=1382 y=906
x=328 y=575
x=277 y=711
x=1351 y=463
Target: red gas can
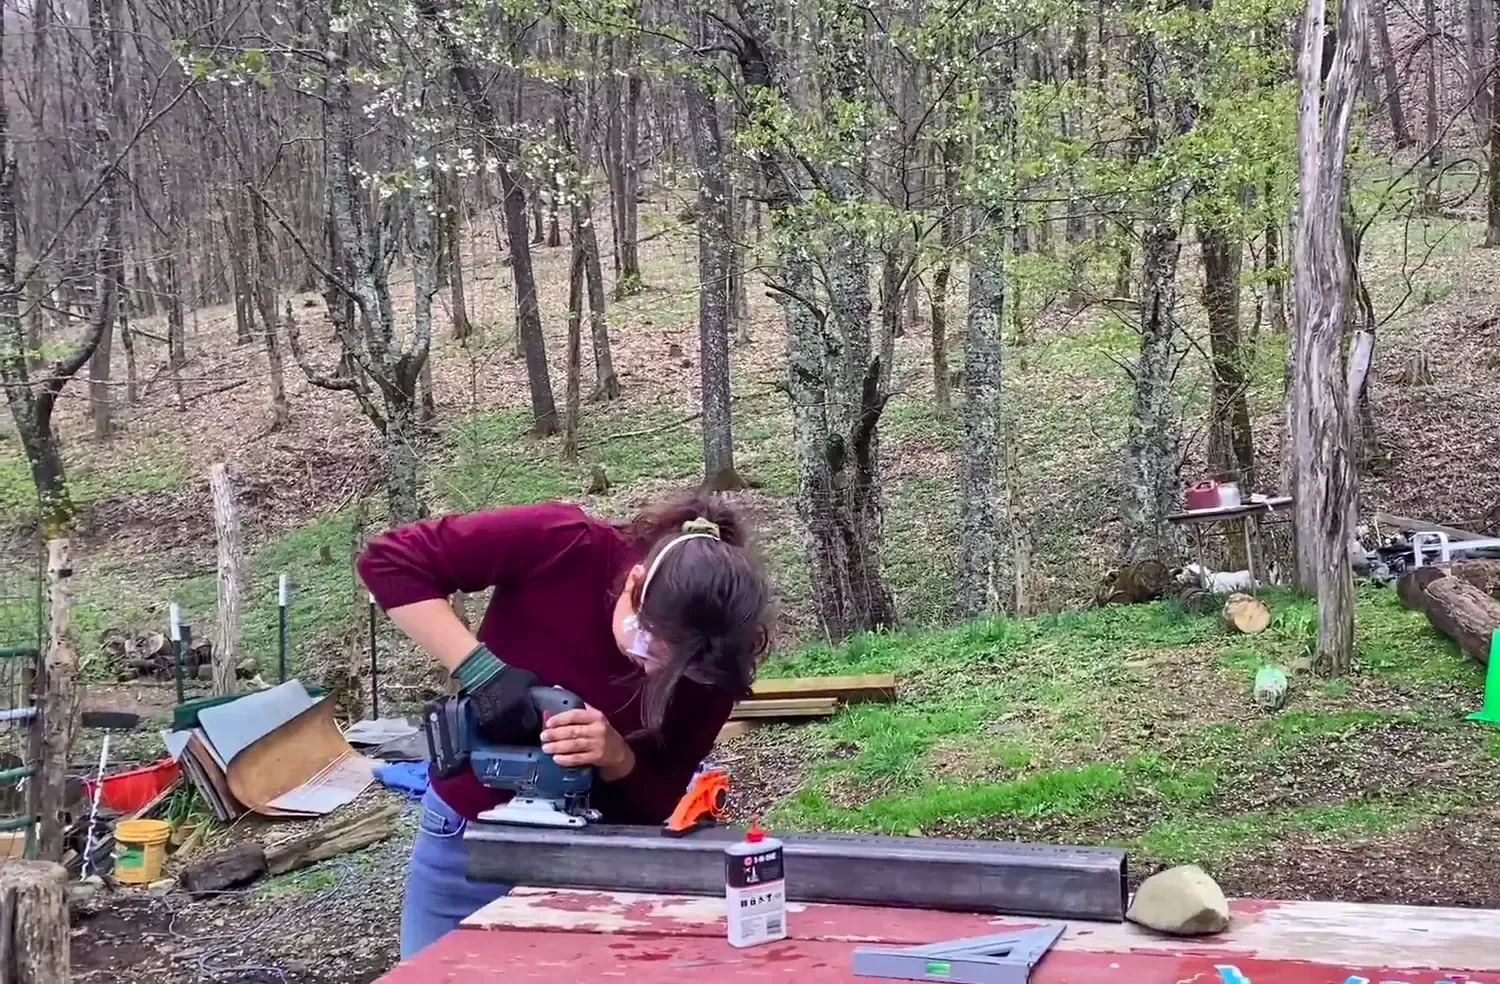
x=1204 y=495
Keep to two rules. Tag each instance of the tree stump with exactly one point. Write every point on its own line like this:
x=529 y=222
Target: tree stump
x=33 y=923
x=1246 y=614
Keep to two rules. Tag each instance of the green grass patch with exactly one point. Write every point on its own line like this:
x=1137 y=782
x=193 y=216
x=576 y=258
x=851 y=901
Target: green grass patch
x=150 y=471
x=1075 y=792
x=490 y=462
x=1198 y=840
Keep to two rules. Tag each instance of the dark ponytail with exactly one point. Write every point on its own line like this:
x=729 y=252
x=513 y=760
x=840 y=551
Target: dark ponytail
x=709 y=600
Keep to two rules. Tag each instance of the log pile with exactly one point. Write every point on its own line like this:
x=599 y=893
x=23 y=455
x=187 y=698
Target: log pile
x=1461 y=600
x=147 y=655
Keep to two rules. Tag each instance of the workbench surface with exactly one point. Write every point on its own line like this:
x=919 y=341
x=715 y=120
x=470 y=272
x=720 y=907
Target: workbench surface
x=556 y=935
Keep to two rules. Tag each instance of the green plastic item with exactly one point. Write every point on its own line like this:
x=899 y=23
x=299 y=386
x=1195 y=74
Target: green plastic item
x=185 y=715
x=1270 y=687
x=1490 y=712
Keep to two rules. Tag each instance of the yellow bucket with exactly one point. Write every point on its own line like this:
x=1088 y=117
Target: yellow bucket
x=140 y=849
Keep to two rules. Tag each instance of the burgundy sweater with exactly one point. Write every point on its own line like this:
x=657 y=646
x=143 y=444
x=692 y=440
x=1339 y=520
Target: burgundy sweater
x=557 y=573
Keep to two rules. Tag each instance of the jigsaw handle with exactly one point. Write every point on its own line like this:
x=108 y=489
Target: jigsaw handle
x=554 y=700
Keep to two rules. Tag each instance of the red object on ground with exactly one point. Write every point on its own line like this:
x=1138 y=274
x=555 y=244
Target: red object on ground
x=130 y=790
x=546 y=935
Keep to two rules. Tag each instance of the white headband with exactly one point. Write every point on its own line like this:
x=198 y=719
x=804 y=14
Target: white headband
x=651 y=571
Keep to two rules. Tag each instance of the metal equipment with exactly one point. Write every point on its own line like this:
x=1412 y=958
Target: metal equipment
x=546 y=794
x=1006 y=958
x=913 y=872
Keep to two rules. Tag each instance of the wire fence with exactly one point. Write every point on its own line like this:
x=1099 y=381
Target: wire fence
x=23 y=628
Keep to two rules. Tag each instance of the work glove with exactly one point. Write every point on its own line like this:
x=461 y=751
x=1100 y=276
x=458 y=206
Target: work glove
x=500 y=697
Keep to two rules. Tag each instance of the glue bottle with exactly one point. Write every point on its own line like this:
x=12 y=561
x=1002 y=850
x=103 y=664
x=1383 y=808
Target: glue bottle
x=755 y=889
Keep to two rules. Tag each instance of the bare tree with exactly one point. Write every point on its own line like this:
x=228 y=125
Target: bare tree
x=715 y=259
x=1391 y=75
x=982 y=521
x=1325 y=487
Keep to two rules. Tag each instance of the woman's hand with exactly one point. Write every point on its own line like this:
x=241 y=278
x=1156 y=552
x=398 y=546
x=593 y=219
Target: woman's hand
x=585 y=737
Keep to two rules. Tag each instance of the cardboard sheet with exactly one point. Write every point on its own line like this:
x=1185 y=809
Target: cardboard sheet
x=238 y=724
x=302 y=767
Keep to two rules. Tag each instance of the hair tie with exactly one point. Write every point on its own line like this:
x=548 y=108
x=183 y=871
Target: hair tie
x=693 y=529
x=701 y=525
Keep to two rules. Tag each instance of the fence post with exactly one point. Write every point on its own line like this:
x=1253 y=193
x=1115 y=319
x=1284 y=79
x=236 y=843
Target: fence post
x=33 y=923
x=227 y=531
x=57 y=704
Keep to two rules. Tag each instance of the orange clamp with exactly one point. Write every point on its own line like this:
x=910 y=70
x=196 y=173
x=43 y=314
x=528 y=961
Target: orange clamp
x=701 y=806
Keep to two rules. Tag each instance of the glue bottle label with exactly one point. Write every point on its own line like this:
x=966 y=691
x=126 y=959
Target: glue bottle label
x=755 y=892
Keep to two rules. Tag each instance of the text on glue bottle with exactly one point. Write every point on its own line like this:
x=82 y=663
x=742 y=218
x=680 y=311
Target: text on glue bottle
x=755 y=889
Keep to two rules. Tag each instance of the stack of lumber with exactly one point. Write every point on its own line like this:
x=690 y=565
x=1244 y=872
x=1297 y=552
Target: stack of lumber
x=1461 y=600
x=805 y=698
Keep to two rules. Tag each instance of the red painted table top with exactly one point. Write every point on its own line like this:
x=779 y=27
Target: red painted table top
x=556 y=935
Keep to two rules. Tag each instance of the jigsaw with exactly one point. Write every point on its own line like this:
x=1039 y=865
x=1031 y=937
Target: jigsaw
x=546 y=794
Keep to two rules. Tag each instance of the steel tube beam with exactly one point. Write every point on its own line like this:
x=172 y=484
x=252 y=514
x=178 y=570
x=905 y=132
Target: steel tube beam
x=914 y=872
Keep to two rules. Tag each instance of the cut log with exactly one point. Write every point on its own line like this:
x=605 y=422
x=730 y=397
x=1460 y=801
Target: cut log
x=1246 y=614
x=237 y=866
x=1483 y=574
x=1464 y=614
x=873 y=687
x=801 y=707
x=33 y=923
x=329 y=842
x=1411 y=588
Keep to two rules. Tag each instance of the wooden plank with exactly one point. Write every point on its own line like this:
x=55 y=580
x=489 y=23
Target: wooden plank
x=872 y=687
x=1422 y=526
x=801 y=707
x=733 y=729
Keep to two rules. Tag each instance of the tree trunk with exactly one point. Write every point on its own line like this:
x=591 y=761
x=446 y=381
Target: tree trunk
x=576 y=276
x=835 y=387
x=99 y=398
x=34 y=933
x=58 y=704
x=1231 y=446
x=127 y=342
x=1476 y=45
x=606 y=383
x=1492 y=215
x=528 y=316
x=1432 y=162
x=427 y=404
x=227 y=535
x=1399 y=125
x=453 y=249
x=264 y=291
x=981 y=525
x=1325 y=489
x=715 y=227
x=244 y=303
x=1275 y=277
x=631 y=281
x=1151 y=481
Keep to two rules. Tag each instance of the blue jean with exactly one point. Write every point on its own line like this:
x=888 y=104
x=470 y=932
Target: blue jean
x=438 y=893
